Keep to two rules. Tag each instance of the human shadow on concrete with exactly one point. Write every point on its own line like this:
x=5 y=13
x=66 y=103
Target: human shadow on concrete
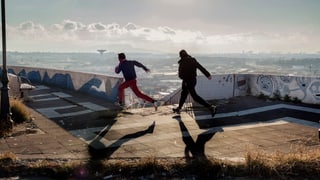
x=195 y=149
x=98 y=150
x=249 y=109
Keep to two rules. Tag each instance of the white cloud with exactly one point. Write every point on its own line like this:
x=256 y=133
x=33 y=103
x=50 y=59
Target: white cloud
x=30 y=27
x=167 y=30
x=96 y=27
x=76 y=36
x=130 y=27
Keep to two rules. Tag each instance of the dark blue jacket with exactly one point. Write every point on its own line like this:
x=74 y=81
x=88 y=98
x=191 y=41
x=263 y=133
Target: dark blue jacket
x=127 y=68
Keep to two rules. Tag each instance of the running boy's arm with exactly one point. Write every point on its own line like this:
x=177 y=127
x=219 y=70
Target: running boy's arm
x=117 y=69
x=202 y=69
x=141 y=66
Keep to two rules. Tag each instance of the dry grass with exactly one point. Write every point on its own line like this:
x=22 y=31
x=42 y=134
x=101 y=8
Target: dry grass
x=19 y=114
x=19 y=111
x=295 y=165
x=299 y=163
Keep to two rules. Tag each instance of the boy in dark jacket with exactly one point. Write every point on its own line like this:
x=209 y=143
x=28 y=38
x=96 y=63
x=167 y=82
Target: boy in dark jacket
x=127 y=68
x=188 y=73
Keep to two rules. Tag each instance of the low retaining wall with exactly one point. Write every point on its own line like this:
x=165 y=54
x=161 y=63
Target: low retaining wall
x=101 y=86
x=222 y=86
x=305 y=89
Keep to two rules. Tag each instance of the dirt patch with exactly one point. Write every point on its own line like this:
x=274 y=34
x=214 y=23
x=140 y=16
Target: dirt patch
x=25 y=128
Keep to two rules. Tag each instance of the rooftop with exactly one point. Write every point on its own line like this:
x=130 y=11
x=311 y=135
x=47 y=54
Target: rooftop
x=70 y=125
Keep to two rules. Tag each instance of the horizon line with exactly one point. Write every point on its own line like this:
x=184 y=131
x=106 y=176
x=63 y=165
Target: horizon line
x=142 y=52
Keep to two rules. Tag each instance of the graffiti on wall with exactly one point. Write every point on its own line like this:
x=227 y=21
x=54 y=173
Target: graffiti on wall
x=314 y=89
x=241 y=85
x=266 y=84
x=226 y=79
x=306 y=89
x=104 y=87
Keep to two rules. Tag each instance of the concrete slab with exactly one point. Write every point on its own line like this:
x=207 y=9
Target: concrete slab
x=133 y=134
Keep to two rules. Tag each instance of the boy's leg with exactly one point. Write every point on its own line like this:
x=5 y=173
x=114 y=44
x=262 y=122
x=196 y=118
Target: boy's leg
x=184 y=94
x=133 y=86
x=121 y=88
x=191 y=88
x=183 y=97
x=138 y=93
x=200 y=100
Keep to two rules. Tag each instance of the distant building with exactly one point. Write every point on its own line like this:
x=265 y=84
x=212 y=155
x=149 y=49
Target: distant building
x=101 y=51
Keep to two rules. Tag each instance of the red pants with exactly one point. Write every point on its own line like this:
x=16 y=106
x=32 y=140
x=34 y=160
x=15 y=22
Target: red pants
x=133 y=85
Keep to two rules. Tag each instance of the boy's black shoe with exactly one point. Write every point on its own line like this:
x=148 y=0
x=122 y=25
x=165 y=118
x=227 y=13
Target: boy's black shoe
x=213 y=110
x=176 y=110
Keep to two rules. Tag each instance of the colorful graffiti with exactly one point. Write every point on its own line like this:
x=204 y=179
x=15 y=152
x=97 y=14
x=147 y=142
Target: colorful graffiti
x=101 y=86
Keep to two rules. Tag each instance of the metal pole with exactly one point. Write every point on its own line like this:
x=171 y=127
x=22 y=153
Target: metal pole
x=5 y=106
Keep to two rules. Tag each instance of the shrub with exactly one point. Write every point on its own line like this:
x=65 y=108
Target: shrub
x=296 y=100
x=19 y=111
x=276 y=95
x=262 y=96
x=287 y=98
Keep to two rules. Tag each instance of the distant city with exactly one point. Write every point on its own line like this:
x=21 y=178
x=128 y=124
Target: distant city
x=163 y=77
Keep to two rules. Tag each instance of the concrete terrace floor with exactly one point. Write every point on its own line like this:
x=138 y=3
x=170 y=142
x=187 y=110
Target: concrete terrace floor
x=67 y=127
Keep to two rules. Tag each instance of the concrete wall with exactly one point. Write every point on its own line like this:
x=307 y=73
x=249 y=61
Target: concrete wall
x=306 y=89
x=222 y=86
x=101 y=86
x=212 y=89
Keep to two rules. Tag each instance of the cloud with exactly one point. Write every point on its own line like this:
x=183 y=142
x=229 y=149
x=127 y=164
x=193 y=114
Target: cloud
x=130 y=27
x=76 y=36
x=167 y=30
x=96 y=27
x=29 y=26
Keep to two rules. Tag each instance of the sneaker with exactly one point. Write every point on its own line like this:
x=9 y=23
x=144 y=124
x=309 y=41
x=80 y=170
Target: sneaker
x=119 y=104
x=213 y=110
x=176 y=110
x=155 y=105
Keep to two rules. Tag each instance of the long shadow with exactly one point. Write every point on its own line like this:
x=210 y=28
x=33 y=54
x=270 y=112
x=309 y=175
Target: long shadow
x=98 y=150
x=238 y=104
x=194 y=149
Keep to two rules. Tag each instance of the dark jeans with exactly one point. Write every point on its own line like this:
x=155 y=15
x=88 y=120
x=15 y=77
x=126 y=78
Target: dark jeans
x=188 y=86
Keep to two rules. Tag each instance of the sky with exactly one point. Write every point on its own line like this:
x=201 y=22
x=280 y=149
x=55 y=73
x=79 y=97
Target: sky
x=164 y=26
